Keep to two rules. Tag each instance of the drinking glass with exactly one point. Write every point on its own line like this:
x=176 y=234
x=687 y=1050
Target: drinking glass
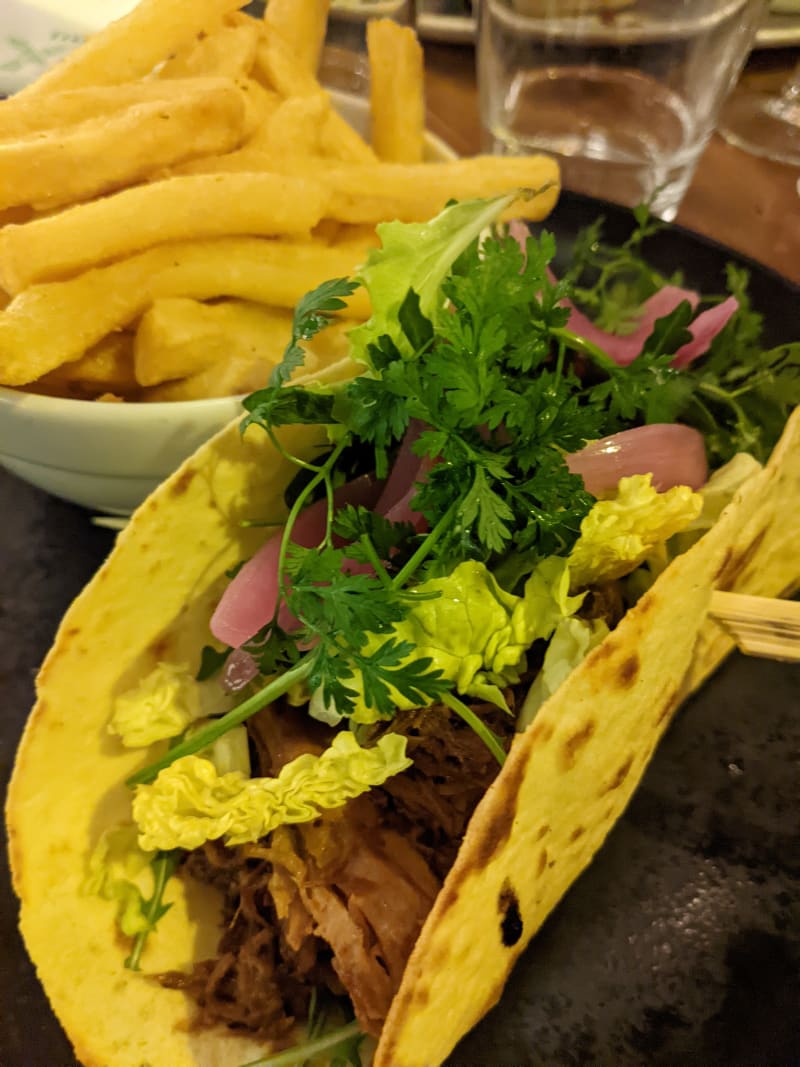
x=344 y=64
x=766 y=124
x=625 y=93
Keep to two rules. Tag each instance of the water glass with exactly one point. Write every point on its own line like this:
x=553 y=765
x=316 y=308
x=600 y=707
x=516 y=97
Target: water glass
x=344 y=64
x=625 y=93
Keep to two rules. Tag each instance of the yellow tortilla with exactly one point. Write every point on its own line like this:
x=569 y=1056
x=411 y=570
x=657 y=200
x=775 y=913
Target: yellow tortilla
x=564 y=784
x=569 y=777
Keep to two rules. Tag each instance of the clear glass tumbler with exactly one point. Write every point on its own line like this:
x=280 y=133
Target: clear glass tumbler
x=766 y=124
x=625 y=93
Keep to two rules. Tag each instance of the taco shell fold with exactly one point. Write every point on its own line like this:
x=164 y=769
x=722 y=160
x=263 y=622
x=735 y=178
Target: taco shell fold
x=563 y=786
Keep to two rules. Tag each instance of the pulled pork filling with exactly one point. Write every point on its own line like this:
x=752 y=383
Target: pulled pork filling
x=337 y=904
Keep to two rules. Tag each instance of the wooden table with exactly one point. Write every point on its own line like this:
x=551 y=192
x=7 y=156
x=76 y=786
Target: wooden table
x=743 y=201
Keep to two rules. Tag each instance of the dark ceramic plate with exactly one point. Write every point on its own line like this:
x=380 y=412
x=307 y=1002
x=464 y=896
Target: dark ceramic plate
x=679 y=945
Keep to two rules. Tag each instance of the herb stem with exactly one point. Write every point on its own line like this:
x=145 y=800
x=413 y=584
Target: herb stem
x=271 y=691
x=425 y=548
x=375 y=560
x=580 y=344
x=163 y=867
x=292 y=1056
x=323 y=473
x=481 y=729
x=288 y=455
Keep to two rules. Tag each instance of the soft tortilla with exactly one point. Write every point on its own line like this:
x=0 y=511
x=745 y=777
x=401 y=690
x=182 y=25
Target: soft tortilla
x=569 y=777
x=151 y=600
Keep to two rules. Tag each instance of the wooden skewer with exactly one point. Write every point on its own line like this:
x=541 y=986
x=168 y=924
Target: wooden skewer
x=760 y=625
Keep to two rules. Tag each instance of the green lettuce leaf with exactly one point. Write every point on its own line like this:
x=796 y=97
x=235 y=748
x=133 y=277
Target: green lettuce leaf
x=163 y=704
x=572 y=641
x=716 y=494
x=190 y=802
x=473 y=631
x=620 y=533
x=417 y=256
x=116 y=860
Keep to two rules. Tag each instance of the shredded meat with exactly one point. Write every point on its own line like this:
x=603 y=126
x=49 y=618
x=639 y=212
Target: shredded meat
x=431 y=803
x=338 y=903
x=604 y=602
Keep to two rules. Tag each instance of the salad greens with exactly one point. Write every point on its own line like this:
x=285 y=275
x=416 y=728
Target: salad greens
x=739 y=395
x=245 y=809
x=469 y=361
x=468 y=339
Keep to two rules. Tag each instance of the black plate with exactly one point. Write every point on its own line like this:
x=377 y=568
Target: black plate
x=680 y=944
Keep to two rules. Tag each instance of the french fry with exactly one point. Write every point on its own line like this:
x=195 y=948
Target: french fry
x=62 y=166
x=116 y=226
x=225 y=378
x=303 y=23
x=340 y=141
x=132 y=46
x=22 y=116
x=242 y=371
x=178 y=338
x=229 y=52
x=295 y=127
x=397 y=95
x=55 y=322
x=280 y=70
x=413 y=192
x=106 y=367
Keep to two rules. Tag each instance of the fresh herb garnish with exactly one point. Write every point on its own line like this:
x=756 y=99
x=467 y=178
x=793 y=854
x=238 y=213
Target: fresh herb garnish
x=153 y=908
x=476 y=348
x=312 y=314
x=739 y=394
x=342 y=1044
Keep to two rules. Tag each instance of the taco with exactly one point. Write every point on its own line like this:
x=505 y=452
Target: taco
x=448 y=707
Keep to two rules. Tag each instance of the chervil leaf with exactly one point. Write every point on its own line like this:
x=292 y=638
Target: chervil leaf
x=373 y=410
x=384 y=669
x=329 y=673
x=284 y=406
x=332 y=601
x=648 y=388
x=211 y=661
x=485 y=508
x=274 y=650
x=354 y=523
x=153 y=908
x=311 y=315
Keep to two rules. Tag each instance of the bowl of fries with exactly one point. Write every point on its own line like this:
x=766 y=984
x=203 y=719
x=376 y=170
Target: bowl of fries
x=168 y=192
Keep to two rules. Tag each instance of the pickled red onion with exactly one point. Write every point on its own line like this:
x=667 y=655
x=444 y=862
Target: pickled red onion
x=624 y=349
x=703 y=330
x=672 y=453
x=404 y=470
x=249 y=601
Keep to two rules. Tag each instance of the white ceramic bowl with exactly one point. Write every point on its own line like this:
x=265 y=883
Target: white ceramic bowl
x=107 y=456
